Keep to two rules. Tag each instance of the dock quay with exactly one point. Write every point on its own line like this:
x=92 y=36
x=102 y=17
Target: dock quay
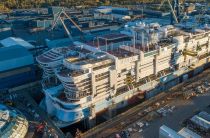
x=20 y=98
x=121 y=121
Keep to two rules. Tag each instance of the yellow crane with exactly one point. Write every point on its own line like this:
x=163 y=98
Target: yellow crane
x=189 y=53
x=129 y=79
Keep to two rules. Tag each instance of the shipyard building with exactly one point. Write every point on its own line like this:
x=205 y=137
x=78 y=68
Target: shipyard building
x=5 y=28
x=16 y=66
x=166 y=132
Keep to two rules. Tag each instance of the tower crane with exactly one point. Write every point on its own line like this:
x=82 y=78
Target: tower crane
x=60 y=16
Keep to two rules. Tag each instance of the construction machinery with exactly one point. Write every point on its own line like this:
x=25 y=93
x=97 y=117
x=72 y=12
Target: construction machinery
x=60 y=16
x=187 y=52
x=129 y=79
x=172 y=7
x=190 y=53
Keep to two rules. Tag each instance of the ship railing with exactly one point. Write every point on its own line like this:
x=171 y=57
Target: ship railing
x=171 y=46
x=204 y=56
x=114 y=46
x=148 y=85
x=150 y=53
x=124 y=43
x=70 y=65
x=75 y=95
x=55 y=63
x=49 y=81
x=62 y=75
x=199 y=36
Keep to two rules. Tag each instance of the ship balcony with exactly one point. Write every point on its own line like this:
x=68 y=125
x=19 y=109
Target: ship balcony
x=52 y=64
x=69 y=97
x=66 y=115
x=150 y=53
x=70 y=100
x=43 y=65
x=50 y=82
x=64 y=77
x=47 y=74
x=75 y=65
x=55 y=63
x=55 y=94
x=43 y=60
x=68 y=75
x=72 y=88
x=206 y=55
x=48 y=69
x=63 y=111
x=102 y=69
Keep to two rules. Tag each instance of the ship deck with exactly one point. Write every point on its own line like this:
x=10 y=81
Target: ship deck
x=108 y=39
x=65 y=72
x=51 y=55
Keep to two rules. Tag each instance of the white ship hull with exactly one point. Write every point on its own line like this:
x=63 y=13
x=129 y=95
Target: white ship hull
x=67 y=116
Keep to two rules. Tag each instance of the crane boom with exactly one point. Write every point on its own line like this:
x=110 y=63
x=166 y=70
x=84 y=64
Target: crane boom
x=161 y=4
x=171 y=7
x=62 y=12
x=56 y=20
x=66 y=29
x=172 y=10
x=72 y=21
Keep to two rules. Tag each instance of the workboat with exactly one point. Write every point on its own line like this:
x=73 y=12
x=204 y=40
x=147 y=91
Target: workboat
x=115 y=70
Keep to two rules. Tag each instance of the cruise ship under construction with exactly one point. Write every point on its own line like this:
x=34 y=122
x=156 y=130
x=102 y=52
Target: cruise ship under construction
x=115 y=70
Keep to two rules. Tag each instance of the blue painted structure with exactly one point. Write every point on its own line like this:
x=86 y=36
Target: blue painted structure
x=17 y=79
x=14 y=57
x=53 y=10
x=5 y=29
x=120 y=11
x=16 y=67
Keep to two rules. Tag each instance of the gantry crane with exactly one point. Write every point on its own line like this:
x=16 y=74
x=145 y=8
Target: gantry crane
x=172 y=8
x=60 y=17
x=190 y=52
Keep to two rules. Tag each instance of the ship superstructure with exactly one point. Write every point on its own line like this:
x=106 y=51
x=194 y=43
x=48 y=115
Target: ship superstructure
x=12 y=123
x=51 y=59
x=113 y=68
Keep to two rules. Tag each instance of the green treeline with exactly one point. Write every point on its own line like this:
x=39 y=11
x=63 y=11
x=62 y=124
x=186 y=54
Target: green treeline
x=6 y=5
x=22 y=4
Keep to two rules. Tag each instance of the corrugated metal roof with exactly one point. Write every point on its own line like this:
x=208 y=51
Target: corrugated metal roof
x=188 y=133
x=14 y=57
x=166 y=132
x=202 y=119
x=11 y=41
